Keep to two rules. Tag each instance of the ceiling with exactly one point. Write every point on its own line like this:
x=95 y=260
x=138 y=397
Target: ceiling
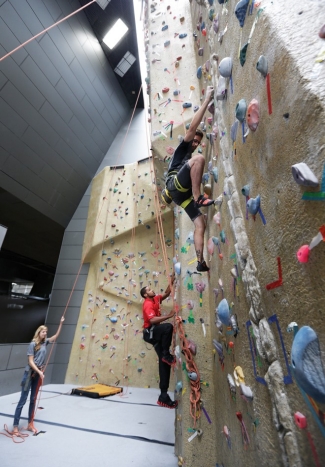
x=61 y=107
x=101 y=21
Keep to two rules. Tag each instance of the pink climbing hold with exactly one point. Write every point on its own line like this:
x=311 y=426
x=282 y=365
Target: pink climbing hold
x=217 y=218
x=253 y=115
x=303 y=254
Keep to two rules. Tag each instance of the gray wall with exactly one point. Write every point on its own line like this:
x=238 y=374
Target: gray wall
x=60 y=106
x=13 y=357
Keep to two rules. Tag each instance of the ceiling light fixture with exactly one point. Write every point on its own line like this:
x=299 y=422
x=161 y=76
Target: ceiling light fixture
x=115 y=34
x=125 y=64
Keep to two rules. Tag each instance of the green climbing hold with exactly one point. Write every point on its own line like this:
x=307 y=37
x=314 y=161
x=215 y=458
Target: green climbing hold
x=191 y=317
x=242 y=56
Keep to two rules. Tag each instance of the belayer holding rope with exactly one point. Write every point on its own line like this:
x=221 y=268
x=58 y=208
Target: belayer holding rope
x=160 y=335
x=183 y=182
x=34 y=374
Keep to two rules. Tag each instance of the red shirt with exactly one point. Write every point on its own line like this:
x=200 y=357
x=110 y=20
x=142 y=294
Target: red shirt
x=150 y=309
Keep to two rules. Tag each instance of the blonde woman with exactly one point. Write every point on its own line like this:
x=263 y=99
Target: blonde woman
x=34 y=374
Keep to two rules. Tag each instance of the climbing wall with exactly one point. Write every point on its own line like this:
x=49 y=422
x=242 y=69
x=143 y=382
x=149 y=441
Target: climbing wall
x=124 y=249
x=253 y=394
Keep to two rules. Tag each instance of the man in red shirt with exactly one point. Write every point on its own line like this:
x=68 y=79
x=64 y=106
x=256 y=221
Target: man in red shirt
x=159 y=334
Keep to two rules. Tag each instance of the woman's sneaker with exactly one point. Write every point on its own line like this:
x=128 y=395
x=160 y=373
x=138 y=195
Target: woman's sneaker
x=165 y=401
x=169 y=359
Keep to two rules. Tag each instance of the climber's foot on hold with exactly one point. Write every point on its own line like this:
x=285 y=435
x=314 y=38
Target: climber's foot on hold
x=202 y=266
x=203 y=201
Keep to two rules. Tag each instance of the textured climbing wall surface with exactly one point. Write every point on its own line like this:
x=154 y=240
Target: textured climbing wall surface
x=123 y=247
x=253 y=151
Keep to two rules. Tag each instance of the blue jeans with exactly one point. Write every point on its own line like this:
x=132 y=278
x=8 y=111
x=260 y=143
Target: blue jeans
x=28 y=384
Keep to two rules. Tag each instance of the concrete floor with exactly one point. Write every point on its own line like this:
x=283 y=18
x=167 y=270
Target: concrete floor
x=122 y=430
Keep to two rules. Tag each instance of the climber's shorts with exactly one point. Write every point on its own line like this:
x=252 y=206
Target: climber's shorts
x=179 y=189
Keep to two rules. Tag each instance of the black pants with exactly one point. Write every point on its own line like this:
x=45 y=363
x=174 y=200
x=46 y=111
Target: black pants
x=162 y=339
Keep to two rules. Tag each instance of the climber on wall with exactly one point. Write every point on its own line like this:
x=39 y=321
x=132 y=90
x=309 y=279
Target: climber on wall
x=184 y=179
x=159 y=334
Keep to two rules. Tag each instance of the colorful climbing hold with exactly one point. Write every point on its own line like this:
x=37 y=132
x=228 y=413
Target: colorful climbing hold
x=253 y=115
x=241 y=10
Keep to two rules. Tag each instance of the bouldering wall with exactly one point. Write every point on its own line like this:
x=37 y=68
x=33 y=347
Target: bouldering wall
x=254 y=394
x=123 y=246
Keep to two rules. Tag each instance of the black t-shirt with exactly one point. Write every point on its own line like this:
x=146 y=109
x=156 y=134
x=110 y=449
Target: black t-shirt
x=182 y=154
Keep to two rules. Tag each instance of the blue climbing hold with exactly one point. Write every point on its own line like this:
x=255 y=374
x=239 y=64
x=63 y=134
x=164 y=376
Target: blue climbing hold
x=183 y=35
x=178 y=268
x=205 y=178
x=179 y=386
x=245 y=190
x=199 y=72
x=233 y=131
x=307 y=365
x=164 y=27
x=215 y=240
x=186 y=105
x=224 y=312
x=225 y=67
x=253 y=205
x=241 y=109
x=241 y=10
x=215 y=174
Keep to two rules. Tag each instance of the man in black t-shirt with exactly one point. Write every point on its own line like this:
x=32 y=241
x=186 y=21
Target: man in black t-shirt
x=183 y=183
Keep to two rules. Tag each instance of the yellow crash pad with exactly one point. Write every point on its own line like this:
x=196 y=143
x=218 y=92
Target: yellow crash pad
x=96 y=390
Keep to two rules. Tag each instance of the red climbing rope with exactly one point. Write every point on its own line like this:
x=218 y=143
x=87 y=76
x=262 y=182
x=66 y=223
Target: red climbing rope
x=195 y=408
x=14 y=435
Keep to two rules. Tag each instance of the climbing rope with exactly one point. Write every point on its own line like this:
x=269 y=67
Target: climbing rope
x=195 y=408
x=14 y=435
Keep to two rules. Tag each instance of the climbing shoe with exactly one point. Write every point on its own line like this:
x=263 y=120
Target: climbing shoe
x=169 y=359
x=203 y=201
x=165 y=401
x=202 y=267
